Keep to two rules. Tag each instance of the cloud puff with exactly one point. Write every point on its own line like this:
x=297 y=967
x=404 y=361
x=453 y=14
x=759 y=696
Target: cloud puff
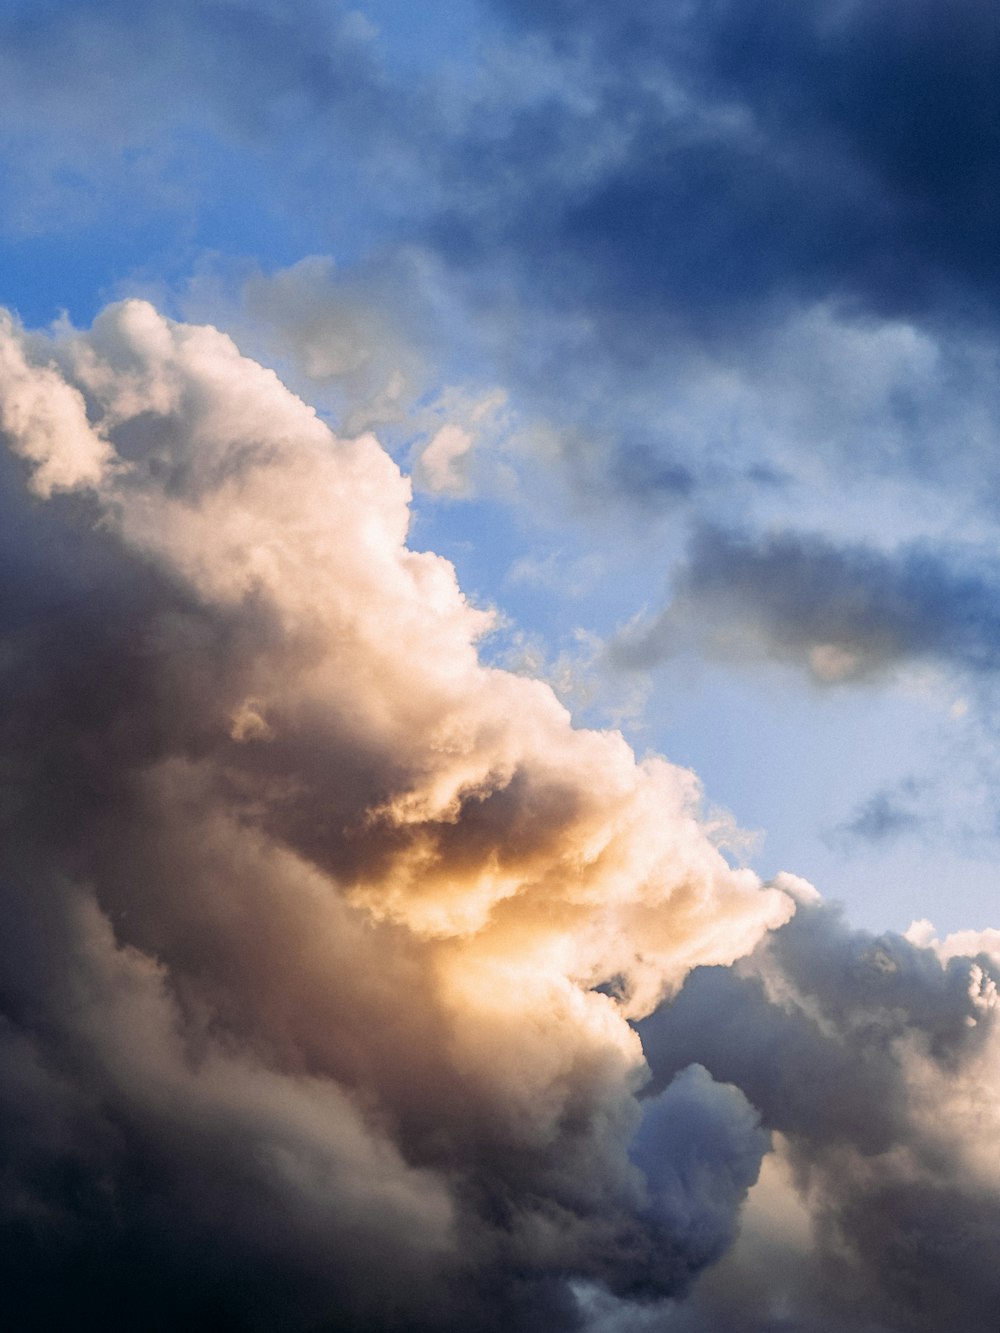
x=355 y=337
x=305 y=908
x=885 y=815
x=701 y=1146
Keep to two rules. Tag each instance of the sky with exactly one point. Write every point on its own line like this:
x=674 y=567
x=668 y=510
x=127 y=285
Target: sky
x=500 y=640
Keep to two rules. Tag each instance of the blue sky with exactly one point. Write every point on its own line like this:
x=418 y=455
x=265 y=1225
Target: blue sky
x=682 y=319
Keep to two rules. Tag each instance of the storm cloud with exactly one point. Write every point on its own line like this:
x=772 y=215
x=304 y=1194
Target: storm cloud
x=759 y=154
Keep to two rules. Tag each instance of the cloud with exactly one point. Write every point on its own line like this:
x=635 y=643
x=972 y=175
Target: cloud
x=133 y=101
x=840 y=613
x=872 y=1060
x=765 y=232
x=46 y=421
x=305 y=907
x=342 y=334
x=442 y=463
x=884 y=816
x=332 y=954
x=701 y=1145
x=763 y=154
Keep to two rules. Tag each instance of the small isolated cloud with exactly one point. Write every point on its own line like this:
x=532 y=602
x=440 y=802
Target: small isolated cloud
x=461 y=427
x=344 y=335
x=885 y=816
x=442 y=465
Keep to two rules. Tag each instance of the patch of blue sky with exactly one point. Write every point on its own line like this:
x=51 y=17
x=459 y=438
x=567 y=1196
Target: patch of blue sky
x=96 y=242
x=793 y=763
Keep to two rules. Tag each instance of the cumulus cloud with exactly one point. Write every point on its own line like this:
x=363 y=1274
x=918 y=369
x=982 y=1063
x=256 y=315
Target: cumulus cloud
x=322 y=938
x=840 y=613
x=330 y=951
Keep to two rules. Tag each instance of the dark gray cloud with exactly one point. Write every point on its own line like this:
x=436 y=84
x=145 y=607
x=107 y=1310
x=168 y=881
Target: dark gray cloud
x=693 y=178
x=839 y=612
x=700 y=1145
x=830 y=149
x=693 y=163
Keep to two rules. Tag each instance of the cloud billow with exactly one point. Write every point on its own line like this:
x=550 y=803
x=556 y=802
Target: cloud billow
x=307 y=911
